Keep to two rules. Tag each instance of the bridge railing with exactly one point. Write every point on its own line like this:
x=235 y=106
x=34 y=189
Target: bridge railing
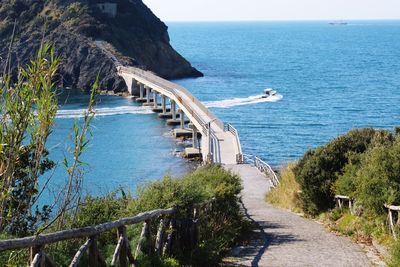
x=123 y=253
x=263 y=167
x=173 y=89
x=239 y=156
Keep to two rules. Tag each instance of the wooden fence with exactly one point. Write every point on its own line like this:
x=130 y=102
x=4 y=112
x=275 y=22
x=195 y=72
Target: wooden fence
x=393 y=213
x=123 y=253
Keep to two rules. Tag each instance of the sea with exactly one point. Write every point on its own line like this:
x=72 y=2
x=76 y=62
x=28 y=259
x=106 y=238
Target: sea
x=329 y=79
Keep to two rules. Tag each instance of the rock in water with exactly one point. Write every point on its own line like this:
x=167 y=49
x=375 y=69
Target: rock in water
x=89 y=36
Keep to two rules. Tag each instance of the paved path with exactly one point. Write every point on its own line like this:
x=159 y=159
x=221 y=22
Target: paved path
x=284 y=238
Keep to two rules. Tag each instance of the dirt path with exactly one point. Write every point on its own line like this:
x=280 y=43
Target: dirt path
x=284 y=238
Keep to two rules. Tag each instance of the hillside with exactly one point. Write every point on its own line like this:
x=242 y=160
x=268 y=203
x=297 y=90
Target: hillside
x=127 y=28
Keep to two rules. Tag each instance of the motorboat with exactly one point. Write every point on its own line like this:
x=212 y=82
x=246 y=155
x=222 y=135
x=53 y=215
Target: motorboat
x=269 y=92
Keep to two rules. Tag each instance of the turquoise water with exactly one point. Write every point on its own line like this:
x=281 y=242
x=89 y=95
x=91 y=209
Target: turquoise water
x=129 y=144
x=332 y=78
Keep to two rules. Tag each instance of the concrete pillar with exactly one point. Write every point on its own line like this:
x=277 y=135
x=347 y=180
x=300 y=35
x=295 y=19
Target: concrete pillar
x=194 y=137
x=164 y=104
x=141 y=90
x=155 y=99
x=182 y=117
x=173 y=109
x=148 y=95
x=134 y=90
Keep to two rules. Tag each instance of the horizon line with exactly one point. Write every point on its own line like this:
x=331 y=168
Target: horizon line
x=286 y=20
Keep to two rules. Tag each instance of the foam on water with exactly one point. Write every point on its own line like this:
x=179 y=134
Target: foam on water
x=79 y=113
x=251 y=100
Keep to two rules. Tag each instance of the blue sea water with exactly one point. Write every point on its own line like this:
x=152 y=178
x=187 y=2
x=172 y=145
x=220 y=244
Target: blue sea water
x=332 y=79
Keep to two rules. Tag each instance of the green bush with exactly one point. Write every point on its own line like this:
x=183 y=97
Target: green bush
x=378 y=179
x=219 y=228
x=318 y=170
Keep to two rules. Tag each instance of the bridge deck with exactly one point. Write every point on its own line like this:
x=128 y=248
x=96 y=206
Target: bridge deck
x=226 y=145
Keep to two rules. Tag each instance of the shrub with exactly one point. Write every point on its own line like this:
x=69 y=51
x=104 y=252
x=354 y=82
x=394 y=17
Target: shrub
x=219 y=228
x=317 y=171
x=378 y=180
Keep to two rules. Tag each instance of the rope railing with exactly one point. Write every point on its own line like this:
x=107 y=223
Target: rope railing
x=263 y=167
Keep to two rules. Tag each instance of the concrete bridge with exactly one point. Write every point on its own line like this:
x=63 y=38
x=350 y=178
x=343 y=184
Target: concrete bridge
x=219 y=142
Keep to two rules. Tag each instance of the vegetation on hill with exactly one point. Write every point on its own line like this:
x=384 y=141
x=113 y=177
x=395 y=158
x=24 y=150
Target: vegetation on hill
x=363 y=164
x=135 y=36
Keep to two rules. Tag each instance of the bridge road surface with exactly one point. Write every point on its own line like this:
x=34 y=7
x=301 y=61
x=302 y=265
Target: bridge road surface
x=284 y=238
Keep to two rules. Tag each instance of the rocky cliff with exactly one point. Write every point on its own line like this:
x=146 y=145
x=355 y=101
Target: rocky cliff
x=126 y=28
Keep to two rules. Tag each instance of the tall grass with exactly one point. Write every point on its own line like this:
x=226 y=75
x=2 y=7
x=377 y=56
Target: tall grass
x=286 y=194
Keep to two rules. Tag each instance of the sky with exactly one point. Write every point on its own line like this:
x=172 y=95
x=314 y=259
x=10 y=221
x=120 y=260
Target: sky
x=239 y=10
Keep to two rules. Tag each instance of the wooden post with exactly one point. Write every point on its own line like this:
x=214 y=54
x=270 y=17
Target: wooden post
x=160 y=237
x=391 y=223
x=398 y=217
x=93 y=253
x=123 y=252
x=168 y=243
x=80 y=253
x=129 y=251
x=142 y=239
x=35 y=259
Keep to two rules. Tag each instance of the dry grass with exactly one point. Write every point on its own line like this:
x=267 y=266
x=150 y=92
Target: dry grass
x=286 y=194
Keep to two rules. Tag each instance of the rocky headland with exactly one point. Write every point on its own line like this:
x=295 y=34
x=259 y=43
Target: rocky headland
x=126 y=28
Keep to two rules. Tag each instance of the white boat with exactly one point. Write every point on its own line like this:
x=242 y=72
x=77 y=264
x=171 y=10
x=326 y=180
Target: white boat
x=269 y=92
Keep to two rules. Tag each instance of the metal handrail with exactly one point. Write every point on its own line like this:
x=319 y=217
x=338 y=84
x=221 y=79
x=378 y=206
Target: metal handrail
x=239 y=155
x=263 y=167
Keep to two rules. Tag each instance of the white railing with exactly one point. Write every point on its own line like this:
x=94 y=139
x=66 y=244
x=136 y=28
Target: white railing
x=263 y=167
x=239 y=156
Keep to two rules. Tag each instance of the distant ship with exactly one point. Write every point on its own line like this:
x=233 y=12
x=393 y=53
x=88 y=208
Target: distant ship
x=338 y=23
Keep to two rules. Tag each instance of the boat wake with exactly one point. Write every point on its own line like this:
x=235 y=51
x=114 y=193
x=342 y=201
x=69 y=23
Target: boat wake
x=242 y=101
x=79 y=113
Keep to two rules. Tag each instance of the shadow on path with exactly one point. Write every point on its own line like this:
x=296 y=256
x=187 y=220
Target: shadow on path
x=259 y=240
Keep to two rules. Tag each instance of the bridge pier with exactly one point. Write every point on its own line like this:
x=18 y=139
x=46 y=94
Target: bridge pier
x=182 y=131
x=174 y=120
x=194 y=151
x=167 y=113
x=149 y=101
x=161 y=108
x=155 y=99
x=141 y=98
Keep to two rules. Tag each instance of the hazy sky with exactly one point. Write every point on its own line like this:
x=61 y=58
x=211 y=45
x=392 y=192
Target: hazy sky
x=215 y=10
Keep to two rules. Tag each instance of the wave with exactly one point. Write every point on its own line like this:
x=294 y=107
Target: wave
x=242 y=101
x=79 y=113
